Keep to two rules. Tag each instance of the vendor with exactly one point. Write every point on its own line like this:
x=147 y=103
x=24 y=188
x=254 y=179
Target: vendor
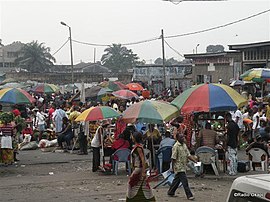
x=7 y=154
x=208 y=137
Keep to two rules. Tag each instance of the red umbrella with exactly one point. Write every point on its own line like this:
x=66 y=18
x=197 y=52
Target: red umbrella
x=125 y=94
x=134 y=86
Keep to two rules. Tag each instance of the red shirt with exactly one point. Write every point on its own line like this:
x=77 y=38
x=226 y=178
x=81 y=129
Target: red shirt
x=120 y=126
x=51 y=110
x=27 y=131
x=16 y=112
x=120 y=144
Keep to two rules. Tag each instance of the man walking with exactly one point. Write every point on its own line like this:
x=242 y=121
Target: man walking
x=180 y=154
x=232 y=142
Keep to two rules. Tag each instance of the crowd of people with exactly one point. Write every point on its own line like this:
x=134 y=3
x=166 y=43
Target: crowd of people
x=53 y=118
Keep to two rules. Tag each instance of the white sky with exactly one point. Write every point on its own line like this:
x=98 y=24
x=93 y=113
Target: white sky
x=110 y=21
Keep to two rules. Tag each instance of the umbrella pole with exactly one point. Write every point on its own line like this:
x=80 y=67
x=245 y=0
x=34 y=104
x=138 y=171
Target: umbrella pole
x=262 y=91
x=154 y=156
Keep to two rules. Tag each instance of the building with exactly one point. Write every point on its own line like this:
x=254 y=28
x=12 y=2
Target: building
x=153 y=76
x=254 y=55
x=211 y=67
x=8 y=55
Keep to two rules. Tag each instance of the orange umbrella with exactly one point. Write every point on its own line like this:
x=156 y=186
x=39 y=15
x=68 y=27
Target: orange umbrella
x=134 y=86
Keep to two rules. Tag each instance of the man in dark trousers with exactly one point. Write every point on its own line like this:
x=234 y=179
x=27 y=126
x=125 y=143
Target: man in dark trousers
x=232 y=142
x=180 y=155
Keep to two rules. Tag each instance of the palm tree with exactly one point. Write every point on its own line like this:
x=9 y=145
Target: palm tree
x=35 y=57
x=119 y=58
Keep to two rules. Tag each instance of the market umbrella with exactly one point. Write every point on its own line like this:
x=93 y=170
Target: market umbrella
x=209 y=98
x=150 y=111
x=134 y=86
x=15 y=85
x=70 y=87
x=45 y=88
x=125 y=94
x=15 y=96
x=113 y=85
x=257 y=75
x=92 y=91
x=237 y=83
x=97 y=113
x=97 y=92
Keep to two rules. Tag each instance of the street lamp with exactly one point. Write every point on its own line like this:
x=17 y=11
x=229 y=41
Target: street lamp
x=197 y=47
x=71 y=56
x=179 y=1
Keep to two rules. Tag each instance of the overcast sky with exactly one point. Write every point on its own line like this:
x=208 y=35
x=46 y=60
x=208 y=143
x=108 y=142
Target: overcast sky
x=127 y=21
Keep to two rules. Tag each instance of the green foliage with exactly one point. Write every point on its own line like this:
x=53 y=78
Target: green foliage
x=6 y=117
x=170 y=61
x=20 y=122
x=214 y=48
x=118 y=58
x=35 y=57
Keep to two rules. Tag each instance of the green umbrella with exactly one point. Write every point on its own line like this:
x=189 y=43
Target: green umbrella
x=150 y=111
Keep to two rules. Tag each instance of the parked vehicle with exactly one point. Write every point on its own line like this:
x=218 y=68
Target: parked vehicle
x=250 y=188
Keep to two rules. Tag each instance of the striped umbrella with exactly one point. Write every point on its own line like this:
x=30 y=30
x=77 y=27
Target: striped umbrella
x=97 y=113
x=256 y=74
x=15 y=96
x=209 y=98
x=150 y=111
x=45 y=88
x=125 y=94
x=113 y=85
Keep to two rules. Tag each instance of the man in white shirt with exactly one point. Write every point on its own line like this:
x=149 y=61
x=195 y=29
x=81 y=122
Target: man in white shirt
x=238 y=118
x=40 y=118
x=256 y=122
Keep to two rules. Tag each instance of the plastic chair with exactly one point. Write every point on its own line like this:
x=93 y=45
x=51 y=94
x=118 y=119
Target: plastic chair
x=121 y=155
x=168 y=177
x=258 y=156
x=163 y=156
x=208 y=156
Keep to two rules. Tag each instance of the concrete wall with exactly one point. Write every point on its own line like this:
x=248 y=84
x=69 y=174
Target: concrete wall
x=55 y=78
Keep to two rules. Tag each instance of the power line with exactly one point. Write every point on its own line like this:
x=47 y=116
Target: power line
x=217 y=27
x=173 y=49
x=61 y=47
x=172 y=36
x=90 y=44
x=124 y=44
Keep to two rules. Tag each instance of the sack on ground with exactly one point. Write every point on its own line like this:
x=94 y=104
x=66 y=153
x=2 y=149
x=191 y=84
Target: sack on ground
x=243 y=166
x=47 y=143
x=30 y=146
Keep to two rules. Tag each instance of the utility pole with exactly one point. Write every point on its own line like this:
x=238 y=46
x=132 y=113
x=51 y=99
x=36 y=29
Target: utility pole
x=163 y=60
x=94 y=55
x=71 y=57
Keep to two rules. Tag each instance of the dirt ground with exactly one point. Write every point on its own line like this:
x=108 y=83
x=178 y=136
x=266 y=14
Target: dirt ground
x=68 y=177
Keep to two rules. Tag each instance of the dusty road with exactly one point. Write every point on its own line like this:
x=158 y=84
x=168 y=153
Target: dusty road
x=43 y=176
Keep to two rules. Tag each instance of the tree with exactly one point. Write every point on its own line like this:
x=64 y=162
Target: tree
x=170 y=61
x=35 y=57
x=118 y=58
x=214 y=48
